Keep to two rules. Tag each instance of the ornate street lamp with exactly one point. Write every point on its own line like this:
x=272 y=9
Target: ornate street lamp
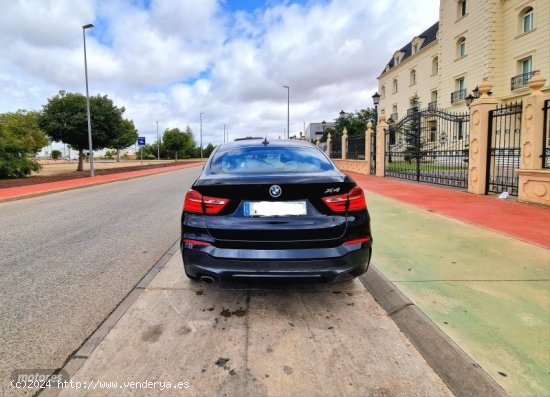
x=376 y=101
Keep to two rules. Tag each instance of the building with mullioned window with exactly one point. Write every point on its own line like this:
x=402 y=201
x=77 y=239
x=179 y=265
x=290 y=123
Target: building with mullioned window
x=503 y=41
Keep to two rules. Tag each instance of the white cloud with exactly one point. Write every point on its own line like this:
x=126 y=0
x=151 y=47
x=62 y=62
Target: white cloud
x=171 y=60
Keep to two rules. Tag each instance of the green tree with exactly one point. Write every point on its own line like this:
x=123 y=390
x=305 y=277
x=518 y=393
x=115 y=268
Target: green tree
x=127 y=136
x=64 y=119
x=56 y=154
x=23 y=127
x=20 y=137
x=147 y=152
x=355 y=123
x=208 y=150
x=13 y=158
x=190 y=148
x=175 y=140
x=411 y=134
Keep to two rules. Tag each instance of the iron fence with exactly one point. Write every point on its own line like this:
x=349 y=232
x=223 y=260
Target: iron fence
x=503 y=150
x=458 y=95
x=430 y=146
x=336 y=148
x=355 y=149
x=520 y=80
x=373 y=153
x=546 y=135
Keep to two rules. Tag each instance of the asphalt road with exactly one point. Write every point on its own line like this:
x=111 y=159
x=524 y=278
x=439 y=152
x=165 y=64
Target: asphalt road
x=68 y=259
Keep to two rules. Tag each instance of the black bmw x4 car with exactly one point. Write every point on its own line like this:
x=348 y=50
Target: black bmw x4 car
x=278 y=209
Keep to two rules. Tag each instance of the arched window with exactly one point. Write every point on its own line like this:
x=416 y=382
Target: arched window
x=435 y=66
x=526 y=19
x=395 y=86
x=412 y=77
x=461 y=47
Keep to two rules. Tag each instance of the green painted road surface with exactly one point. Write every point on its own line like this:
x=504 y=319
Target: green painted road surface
x=488 y=292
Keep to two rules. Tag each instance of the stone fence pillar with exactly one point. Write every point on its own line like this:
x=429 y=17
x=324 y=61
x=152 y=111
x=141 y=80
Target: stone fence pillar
x=317 y=142
x=534 y=181
x=368 y=137
x=344 y=143
x=479 y=132
x=329 y=144
x=381 y=129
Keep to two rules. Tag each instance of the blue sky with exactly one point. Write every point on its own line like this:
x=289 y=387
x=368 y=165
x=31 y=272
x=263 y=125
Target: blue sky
x=171 y=60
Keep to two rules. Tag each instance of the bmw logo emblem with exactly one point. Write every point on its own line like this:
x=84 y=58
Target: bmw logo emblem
x=275 y=191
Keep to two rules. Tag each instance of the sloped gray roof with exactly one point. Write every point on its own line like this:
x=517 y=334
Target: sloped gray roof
x=429 y=36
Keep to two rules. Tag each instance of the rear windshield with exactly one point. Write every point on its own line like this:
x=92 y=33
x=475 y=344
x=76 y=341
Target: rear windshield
x=251 y=160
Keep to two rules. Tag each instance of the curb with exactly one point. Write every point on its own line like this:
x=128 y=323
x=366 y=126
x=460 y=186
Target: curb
x=458 y=370
x=80 y=355
x=94 y=183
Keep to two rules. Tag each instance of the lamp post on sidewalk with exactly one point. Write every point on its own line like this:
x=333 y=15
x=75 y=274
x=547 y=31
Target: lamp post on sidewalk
x=376 y=101
x=287 y=111
x=200 y=116
x=158 y=142
x=88 y=26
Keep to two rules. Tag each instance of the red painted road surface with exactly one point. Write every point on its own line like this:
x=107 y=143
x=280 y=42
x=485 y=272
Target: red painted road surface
x=530 y=223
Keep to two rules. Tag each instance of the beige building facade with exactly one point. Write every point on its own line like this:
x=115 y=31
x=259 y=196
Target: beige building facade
x=503 y=41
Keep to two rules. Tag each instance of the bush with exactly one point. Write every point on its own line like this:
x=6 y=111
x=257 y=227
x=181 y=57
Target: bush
x=14 y=162
x=56 y=154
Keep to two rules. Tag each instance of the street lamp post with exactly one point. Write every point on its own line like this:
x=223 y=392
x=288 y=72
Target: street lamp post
x=158 y=142
x=342 y=118
x=200 y=116
x=287 y=111
x=376 y=101
x=88 y=26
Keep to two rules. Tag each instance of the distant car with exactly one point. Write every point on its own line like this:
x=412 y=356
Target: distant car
x=277 y=209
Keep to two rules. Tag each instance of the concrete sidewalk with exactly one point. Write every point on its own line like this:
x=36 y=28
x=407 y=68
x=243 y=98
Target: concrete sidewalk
x=480 y=272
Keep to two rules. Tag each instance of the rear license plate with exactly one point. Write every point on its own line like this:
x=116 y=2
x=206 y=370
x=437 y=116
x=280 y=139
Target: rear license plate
x=274 y=208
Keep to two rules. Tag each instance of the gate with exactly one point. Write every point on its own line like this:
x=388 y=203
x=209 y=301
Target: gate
x=356 y=147
x=336 y=148
x=429 y=146
x=546 y=136
x=503 y=150
x=373 y=153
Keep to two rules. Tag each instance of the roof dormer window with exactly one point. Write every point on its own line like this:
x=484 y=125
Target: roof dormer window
x=398 y=57
x=416 y=43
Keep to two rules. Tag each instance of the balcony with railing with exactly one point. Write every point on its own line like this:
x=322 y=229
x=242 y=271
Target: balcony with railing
x=432 y=105
x=520 y=80
x=394 y=117
x=458 y=96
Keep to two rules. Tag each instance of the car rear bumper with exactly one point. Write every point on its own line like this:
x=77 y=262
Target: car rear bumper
x=331 y=264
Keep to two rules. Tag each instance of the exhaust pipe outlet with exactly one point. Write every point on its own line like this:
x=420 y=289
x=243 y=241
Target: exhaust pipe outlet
x=207 y=279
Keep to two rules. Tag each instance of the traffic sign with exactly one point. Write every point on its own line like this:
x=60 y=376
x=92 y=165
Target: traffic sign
x=141 y=141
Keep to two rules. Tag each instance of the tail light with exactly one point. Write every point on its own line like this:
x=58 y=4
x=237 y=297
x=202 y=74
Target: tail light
x=199 y=204
x=352 y=201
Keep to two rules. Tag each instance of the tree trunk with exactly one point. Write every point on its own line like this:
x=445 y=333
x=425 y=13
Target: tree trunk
x=118 y=155
x=176 y=156
x=80 y=160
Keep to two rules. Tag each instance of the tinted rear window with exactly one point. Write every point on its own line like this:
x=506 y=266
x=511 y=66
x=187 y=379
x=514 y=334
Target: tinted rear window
x=252 y=160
